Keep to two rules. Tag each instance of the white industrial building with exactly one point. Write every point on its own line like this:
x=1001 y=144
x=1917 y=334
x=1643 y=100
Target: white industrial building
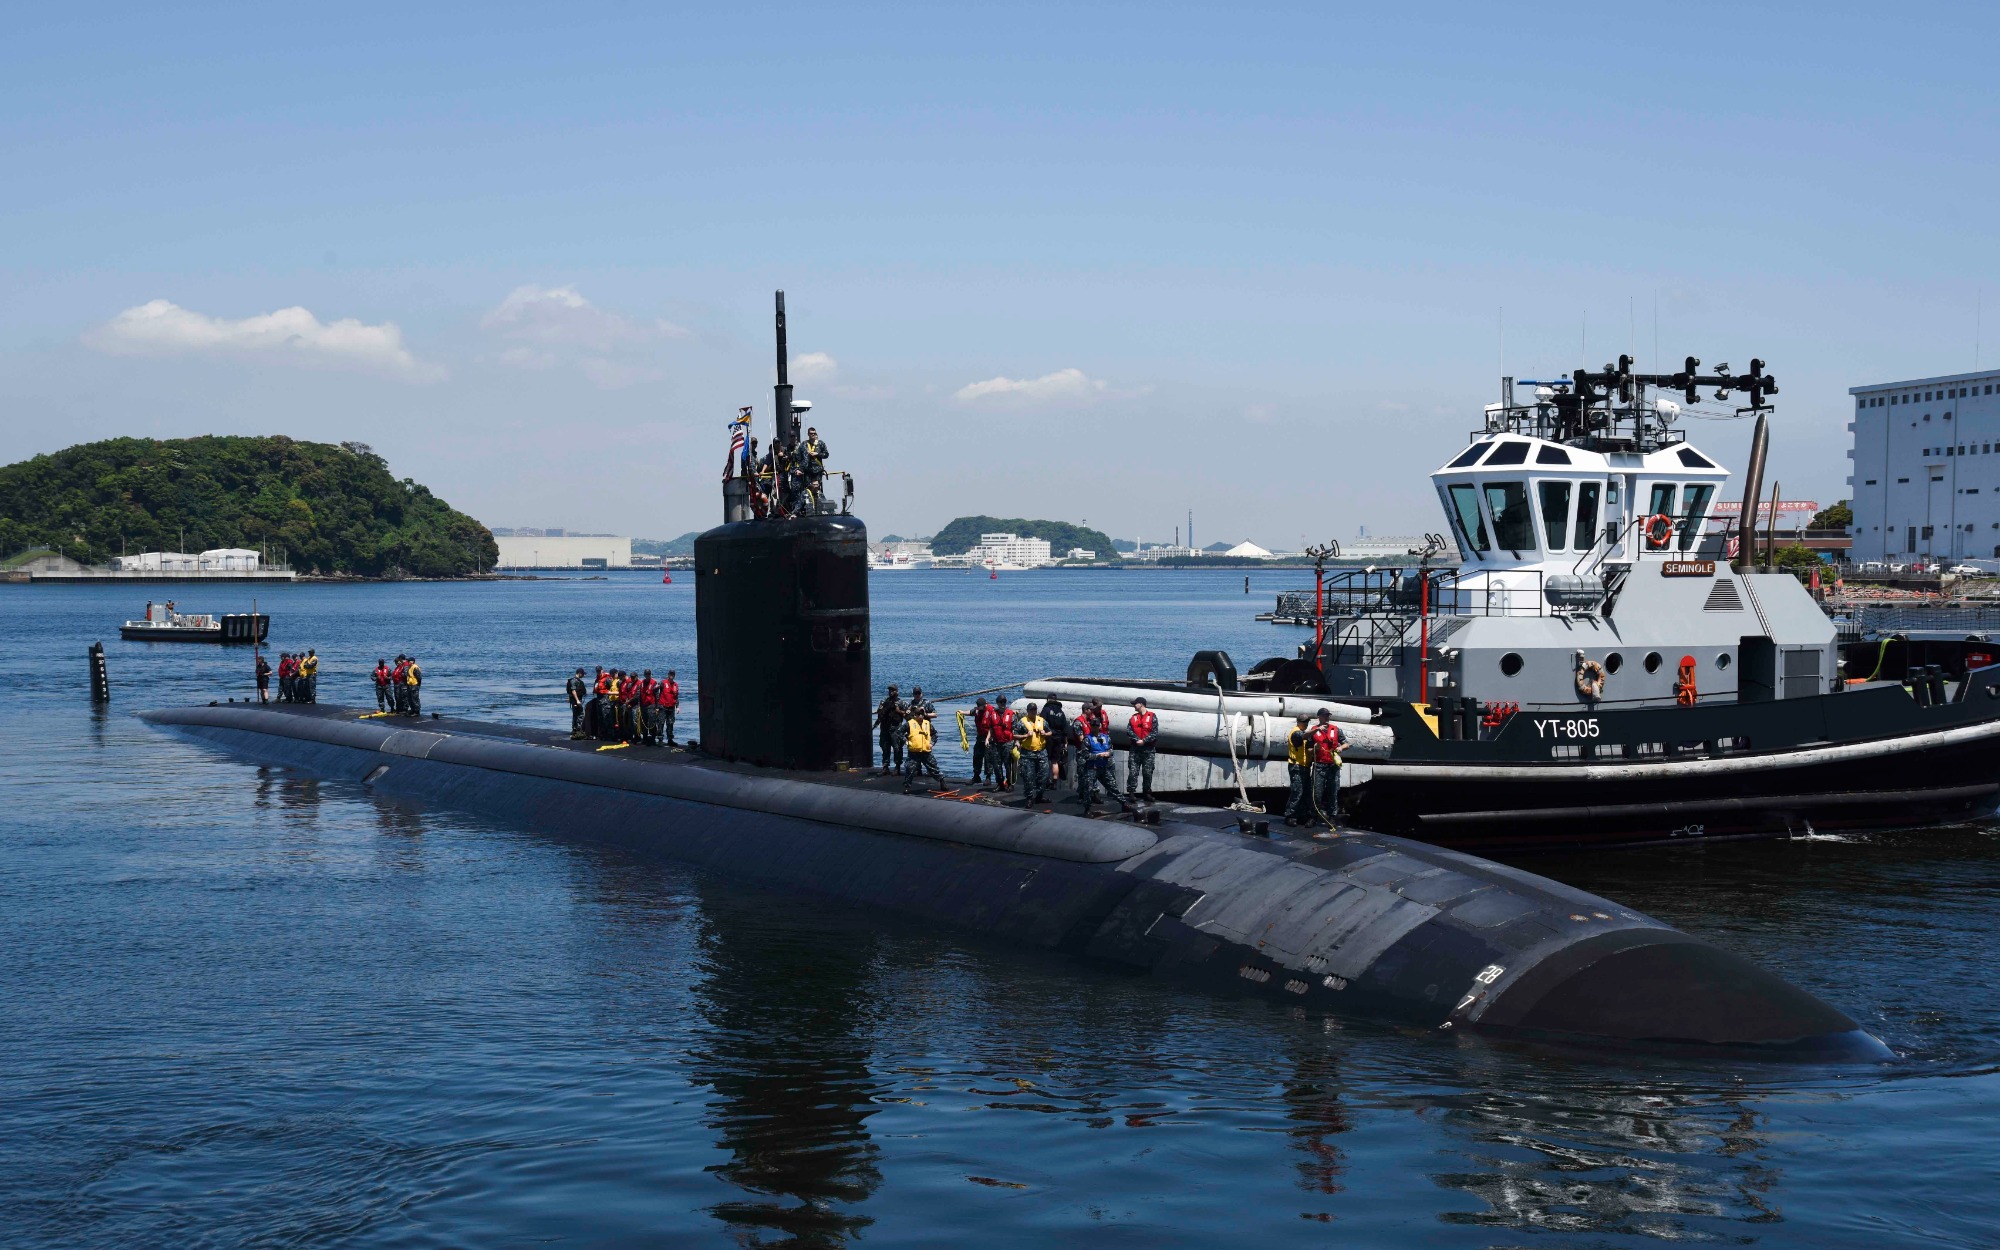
x=1926 y=481
x=1011 y=549
x=569 y=551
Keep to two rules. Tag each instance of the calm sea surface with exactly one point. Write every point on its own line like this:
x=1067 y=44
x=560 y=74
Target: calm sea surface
x=242 y=1007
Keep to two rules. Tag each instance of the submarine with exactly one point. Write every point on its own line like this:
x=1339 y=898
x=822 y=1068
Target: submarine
x=1359 y=925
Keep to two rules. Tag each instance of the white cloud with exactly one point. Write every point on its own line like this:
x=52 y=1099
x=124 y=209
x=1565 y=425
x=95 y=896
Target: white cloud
x=815 y=367
x=1063 y=384
x=546 y=327
x=163 y=328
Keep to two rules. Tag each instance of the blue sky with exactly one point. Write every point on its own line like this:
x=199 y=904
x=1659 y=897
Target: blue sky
x=1250 y=260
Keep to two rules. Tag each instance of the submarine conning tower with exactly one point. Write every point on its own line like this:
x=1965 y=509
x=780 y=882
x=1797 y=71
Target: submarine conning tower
x=781 y=616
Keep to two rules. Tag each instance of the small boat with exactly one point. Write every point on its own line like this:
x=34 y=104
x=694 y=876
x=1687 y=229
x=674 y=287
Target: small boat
x=164 y=623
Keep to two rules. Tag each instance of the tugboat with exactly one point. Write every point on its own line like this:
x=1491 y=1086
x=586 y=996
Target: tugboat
x=1606 y=666
x=163 y=622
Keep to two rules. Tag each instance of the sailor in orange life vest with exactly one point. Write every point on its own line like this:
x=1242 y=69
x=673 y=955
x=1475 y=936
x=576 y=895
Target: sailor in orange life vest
x=382 y=684
x=1145 y=730
x=1324 y=741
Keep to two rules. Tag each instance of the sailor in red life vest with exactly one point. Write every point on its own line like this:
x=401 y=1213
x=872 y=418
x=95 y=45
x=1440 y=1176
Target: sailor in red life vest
x=1324 y=742
x=1144 y=727
x=399 y=685
x=670 y=702
x=649 y=708
x=381 y=685
x=634 y=692
x=1000 y=744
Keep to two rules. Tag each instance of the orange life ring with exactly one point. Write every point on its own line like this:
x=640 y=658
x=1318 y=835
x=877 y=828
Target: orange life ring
x=1659 y=528
x=1590 y=680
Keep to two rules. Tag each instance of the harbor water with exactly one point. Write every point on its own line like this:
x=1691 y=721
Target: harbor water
x=244 y=1007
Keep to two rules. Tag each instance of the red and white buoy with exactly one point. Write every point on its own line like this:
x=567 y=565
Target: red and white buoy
x=666 y=578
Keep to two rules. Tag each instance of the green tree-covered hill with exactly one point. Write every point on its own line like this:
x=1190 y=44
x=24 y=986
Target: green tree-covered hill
x=963 y=535
x=323 y=508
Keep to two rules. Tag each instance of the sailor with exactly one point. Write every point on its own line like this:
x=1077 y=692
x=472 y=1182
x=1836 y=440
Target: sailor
x=919 y=743
x=309 y=677
x=263 y=679
x=637 y=695
x=1298 y=763
x=413 y=680
x=1090 y=718
x=649 y=709
x=670 y=702
x=1097 y=768
x=917 y=701
x=1031 y=732
x=576 y=688
x=812 y=464
x=1144 y=727
x=889 y=719
x=381 y=676
x=1058 y=748
x=614 y=705
x=982 y=724
x=399 y=684
x=1326 y=740
x=1000 y=745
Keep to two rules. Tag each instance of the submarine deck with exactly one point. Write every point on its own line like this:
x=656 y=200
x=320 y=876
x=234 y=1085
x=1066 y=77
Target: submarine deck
x=957 y=789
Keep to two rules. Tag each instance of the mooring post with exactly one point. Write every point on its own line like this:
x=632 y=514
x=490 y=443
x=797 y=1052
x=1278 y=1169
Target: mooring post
x=100 y=677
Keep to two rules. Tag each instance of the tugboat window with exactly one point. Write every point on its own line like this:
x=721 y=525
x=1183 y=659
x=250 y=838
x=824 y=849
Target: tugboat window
x=1467 y=456
x=1513 y=527
x=1652 y=661
x=1694 y=459
x=1471 y=526
x=1509 y=453
x=1586 y=515
x=1613 y=662
x=1551 y=455
x=1510 y=663
x=1694 y=503
x=1722 y=660
x=1555 y=512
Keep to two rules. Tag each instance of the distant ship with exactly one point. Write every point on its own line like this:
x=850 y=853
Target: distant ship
x=164 y=623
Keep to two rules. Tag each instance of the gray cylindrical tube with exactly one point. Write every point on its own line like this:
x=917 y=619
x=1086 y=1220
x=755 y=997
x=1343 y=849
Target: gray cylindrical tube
x=1753 y=487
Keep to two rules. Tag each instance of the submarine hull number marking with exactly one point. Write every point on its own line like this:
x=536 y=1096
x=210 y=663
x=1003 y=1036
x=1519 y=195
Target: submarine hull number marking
x=1571 y=727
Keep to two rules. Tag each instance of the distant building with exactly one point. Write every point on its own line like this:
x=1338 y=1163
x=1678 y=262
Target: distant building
x=1248 y=551
x=1162 y=552
x=40 y=560
x=232 y=559
x=1921 y=451
x=1390 y=547
x=1011 y=549
x=563 y=552
x=158 y=562
x=1080 y=553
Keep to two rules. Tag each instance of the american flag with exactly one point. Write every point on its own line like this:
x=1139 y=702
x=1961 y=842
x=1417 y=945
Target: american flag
x=739 y=444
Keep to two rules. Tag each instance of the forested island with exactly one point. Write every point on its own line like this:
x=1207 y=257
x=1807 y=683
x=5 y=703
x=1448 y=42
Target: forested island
x=962 y=535
x=323 y=508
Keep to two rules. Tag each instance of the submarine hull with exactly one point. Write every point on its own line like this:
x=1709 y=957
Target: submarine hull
x=1365 y=925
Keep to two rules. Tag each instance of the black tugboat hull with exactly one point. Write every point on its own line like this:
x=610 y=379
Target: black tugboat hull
x=1366 y=925
x=1869 y=758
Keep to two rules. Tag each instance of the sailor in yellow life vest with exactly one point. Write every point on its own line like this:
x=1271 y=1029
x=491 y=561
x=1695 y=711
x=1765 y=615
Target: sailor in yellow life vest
x=1031 y=734
x=919 y=739
x=309 y=677
x=1298 y=763
x=415 y=679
